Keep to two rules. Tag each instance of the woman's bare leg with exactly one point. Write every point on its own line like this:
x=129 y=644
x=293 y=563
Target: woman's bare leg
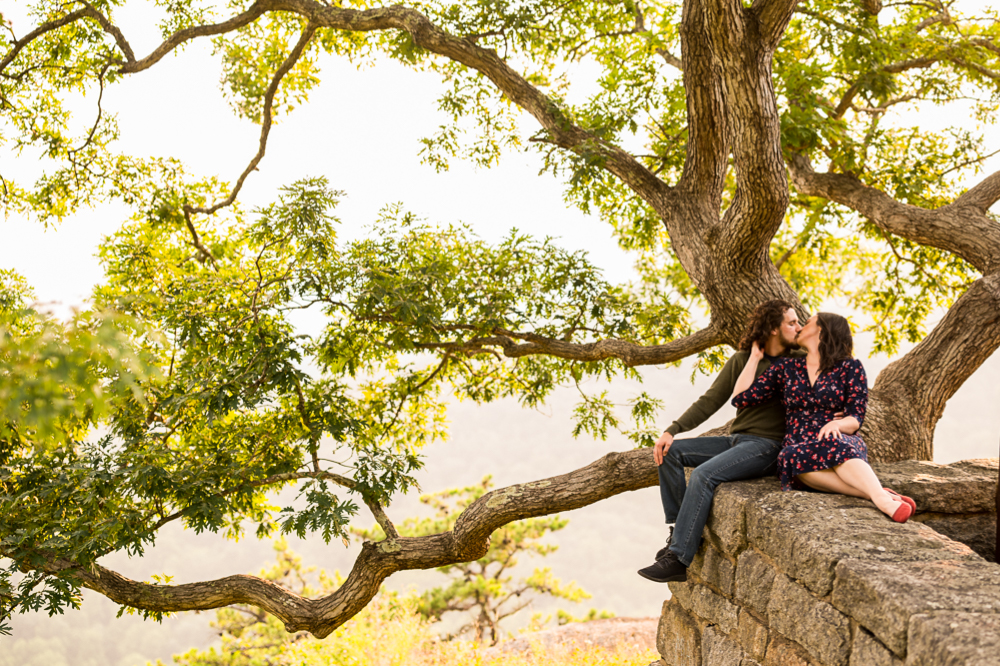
x=829 y=481
x=859 y=474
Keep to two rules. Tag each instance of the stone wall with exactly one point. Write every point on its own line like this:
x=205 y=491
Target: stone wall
x=796 y=578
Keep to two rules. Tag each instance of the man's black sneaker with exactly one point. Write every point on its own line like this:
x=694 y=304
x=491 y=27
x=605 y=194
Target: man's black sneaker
x=661 y=553
x=666 y=570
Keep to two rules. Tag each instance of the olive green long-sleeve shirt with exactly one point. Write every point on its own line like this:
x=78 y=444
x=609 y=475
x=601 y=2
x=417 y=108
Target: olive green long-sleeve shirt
x=766 y=420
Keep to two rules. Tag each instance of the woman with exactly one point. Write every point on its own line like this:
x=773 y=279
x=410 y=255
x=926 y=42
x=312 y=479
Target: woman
x=819 y=450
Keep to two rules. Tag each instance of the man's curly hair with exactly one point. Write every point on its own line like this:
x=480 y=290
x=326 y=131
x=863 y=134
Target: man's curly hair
x=765 y=318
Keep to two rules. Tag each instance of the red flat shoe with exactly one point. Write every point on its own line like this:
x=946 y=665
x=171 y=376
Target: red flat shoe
x=902 y=498
x=903 y=513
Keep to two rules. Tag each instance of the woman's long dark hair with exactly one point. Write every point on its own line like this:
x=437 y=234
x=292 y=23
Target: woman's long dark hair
x=766 y=317
x=835 y=341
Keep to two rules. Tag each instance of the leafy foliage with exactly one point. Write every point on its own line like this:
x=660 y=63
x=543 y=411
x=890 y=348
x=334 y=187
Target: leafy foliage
x=218 y=399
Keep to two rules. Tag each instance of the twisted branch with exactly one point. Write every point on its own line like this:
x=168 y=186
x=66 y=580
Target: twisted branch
x=630 y=353
x=961 y=227
x=612 y=474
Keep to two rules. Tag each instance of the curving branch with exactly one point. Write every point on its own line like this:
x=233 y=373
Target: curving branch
x=612 y=474
x=427 y=35
x=112 y=30
x=254 y=12
x=265 y=130
x=48 y=26
x=630 y=353
x=961 y=227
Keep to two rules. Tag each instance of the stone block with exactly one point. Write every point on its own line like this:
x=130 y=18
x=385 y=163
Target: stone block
x=678 y=638
x=726 y=525
x=717 y=649
x=754 y=577
x=954 y=639
x=964 y=487
x=868 y=651
x=714 y=568
x=978 y=466
x=752 y=635
x=709 y=606
x=817 y=626
x=883 y=596
x=806 y=534
x=978 y=531
x=783 y=652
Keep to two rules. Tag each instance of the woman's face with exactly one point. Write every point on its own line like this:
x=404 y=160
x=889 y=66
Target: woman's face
x=809 y=335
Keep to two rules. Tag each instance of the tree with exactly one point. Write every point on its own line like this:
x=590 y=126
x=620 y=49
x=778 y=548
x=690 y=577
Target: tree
x=481 y=588
x=703 y=160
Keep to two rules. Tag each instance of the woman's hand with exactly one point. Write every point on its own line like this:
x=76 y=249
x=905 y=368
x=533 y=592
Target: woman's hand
x=745 y=380
x=831 y=430
x=838 y=428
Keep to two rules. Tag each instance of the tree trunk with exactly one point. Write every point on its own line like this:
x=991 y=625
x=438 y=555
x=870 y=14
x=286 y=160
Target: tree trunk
x=910 y=395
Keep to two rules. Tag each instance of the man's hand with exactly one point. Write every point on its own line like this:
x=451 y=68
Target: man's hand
x=662 y=446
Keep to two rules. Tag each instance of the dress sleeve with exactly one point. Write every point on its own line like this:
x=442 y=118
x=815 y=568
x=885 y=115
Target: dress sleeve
x=767 y=386
x=855 y=390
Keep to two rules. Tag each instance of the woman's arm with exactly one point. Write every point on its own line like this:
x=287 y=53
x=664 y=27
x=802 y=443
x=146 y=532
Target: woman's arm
x=745 y=380
x=855 y=403
x=750 y=392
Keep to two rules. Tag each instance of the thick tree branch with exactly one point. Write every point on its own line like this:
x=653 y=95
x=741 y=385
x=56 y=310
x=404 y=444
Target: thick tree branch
x=910 y=395
x=426 y=35
x=773 y=17
x=113 y=30
x=743 y=41
x=187 y=34
x=961 y=227
x=707 y=150
x=611 y=475
x=48 y=26
x=630 y=353
x=983 y=195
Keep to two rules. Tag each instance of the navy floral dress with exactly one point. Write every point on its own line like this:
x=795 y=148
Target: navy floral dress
x=843 y=388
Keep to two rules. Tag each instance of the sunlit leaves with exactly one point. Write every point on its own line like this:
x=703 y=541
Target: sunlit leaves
x=252 y=55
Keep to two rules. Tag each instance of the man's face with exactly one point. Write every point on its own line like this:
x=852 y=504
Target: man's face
x=789 y=329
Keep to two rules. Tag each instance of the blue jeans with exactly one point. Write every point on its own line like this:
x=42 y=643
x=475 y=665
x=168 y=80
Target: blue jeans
x=716 y=460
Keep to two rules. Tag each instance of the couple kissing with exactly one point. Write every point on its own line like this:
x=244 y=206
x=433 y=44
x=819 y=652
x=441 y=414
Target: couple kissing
x=801 y=398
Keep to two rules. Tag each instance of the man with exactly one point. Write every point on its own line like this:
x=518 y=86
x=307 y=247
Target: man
x=749 y=451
